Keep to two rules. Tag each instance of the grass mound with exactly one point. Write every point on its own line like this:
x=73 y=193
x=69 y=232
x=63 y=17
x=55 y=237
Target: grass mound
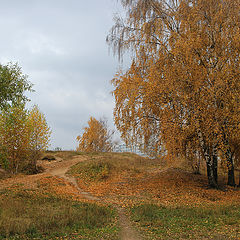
x=101 y=166
x=93 y=171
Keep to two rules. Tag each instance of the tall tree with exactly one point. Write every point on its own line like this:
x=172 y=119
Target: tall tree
x=183 y=84
x=40 y=134
x=13 y=84
x=96 y=137
x=14 y=138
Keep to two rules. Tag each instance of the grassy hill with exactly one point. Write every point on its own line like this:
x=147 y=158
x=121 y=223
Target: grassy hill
x=162 y=202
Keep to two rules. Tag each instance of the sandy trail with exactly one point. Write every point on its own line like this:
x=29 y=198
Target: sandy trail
x=127 y=231
x=61 y=172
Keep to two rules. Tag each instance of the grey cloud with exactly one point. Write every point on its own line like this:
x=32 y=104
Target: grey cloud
x=61 y=45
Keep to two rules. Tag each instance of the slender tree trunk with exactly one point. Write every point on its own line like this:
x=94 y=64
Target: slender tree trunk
x=215 y=168
x=16 y=169
x=212 y=168
x=211 y=160
x=210 y=173
x=239 y=180
x=35 y=160
x=231 y=177
x=229 y=158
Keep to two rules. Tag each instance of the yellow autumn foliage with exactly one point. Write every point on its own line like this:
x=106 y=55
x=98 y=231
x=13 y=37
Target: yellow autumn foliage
x=40 y=133
x=181 y=94
x=23 y=135
x=96 y=137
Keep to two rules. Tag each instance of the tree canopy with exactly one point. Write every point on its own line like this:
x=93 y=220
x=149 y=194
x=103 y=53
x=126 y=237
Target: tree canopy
x=13 y=84
x=96 y=137
x=181 y=94
x=39 y=134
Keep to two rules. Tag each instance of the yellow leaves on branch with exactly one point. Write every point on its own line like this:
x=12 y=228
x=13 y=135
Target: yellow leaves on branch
x=185 y=69
x=40 y=133
x=39 y=130
x=96 y=137
x=183 y=84
x=14 y=137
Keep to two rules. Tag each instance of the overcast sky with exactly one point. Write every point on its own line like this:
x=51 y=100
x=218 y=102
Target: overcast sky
x=60 y=45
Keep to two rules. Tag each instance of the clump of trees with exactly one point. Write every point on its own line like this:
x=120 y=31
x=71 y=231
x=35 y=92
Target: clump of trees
x=96 y=137
x=24 y=133
x=181 y=94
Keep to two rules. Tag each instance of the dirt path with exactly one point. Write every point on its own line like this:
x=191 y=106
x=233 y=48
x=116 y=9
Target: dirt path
x=61 y=172
x=127 y=231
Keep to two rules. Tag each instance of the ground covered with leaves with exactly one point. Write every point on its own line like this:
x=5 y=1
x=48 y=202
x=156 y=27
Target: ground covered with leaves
x=162 y=202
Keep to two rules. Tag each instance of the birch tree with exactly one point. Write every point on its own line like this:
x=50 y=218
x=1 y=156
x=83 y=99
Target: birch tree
x=183 y=84
x=40 y=134
x=96 y=137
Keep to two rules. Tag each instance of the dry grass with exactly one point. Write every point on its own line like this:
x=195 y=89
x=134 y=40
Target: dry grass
x=29 y=214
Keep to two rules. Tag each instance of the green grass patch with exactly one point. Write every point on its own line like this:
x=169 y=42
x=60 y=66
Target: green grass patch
x=159 y=222
x=100 y=166
x=93 y=171
x=25 y=215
